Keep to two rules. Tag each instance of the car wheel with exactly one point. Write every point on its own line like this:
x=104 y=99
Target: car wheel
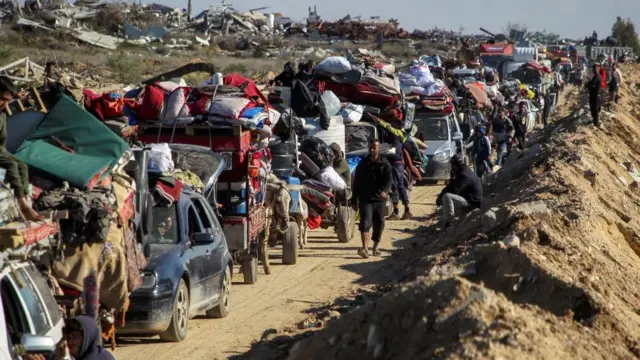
x=177 y=330
x=222 y=310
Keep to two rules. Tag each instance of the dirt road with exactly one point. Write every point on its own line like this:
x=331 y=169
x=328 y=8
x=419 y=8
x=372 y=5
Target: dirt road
x=326 y=270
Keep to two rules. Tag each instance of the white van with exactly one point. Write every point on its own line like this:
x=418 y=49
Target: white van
x=441 y=133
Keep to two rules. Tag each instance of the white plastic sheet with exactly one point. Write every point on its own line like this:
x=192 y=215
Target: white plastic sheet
x=160 y=160
x=330 y=177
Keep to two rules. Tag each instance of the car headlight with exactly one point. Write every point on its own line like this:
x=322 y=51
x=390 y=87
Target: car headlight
x=442 y=156
x=148 y=280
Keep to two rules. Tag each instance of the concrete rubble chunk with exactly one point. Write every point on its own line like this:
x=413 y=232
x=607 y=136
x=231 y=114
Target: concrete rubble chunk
x=493 y=218
x=538 y=210
x=511 y=241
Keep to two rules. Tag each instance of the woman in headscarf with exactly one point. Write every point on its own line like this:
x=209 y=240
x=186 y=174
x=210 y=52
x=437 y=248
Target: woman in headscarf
x=83 y=339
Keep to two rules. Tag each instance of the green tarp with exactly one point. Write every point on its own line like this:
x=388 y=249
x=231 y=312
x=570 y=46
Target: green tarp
x=95 y=147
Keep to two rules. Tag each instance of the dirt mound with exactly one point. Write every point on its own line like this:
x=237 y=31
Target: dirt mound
x=444 y=318
x=549 y=268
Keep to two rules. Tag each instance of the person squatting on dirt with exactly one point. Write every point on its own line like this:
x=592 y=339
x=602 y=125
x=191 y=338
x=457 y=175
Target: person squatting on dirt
x=594 y=86
x=371 y=185
x=502 y=128
x=462 y=194
x=396 y=138
x=17 y=172
x=480 y=146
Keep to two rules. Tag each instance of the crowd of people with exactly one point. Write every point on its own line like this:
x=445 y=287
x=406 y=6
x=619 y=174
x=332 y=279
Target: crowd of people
x=601 y=81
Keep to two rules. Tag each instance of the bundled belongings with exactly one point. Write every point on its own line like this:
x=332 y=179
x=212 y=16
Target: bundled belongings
x=419 y=80
x=318 y=151
x=317 y=196
x=70 y=135
x=307 y=103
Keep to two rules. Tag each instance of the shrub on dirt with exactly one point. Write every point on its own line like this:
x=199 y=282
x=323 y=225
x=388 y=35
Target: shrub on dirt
x=126 y=69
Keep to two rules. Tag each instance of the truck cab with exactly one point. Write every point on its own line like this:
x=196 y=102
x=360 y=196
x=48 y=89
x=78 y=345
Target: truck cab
x=441 y=133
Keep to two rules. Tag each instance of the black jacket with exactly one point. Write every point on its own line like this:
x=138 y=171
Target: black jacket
x=467 y=184
x=371 y=178
x=594 y=86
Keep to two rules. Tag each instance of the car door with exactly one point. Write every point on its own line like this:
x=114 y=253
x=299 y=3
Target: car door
x=196 y=257
x=452 y=130
x=214 y=268
x=54 y=315
x=31 y=301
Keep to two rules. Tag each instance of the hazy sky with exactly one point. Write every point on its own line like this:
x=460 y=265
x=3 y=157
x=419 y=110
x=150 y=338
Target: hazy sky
x=573 y=18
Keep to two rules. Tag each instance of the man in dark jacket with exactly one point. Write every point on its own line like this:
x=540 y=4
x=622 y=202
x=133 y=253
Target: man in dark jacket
x=481 y=148
x=371 y=186
x=503 y=132
x=286 y=77
x=520 y=125
x=463 y=193
x=594 y=87
x=396 y=137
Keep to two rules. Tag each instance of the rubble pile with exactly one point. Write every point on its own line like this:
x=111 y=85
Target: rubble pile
x=108 y=25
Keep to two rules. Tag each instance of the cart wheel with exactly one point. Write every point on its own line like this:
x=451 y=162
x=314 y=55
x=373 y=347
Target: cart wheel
x=345 y=223
x=250 y=270
x=290 y=244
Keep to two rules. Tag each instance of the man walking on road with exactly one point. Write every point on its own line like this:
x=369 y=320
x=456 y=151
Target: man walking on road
x=594 y=86
x=371 y=186
x=463 y=194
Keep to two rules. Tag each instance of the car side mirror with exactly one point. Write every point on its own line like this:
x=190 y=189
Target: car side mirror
x=34 y=344
x=457 y=136
x=200 y=239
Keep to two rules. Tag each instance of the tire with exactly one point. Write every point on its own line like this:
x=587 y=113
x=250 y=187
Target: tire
x=179 y=326
x=250 y=270
x=345 y=223
x=222 y=310
x=290 y=244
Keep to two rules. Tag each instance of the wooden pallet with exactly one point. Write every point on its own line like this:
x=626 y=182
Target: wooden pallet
x=18 y=104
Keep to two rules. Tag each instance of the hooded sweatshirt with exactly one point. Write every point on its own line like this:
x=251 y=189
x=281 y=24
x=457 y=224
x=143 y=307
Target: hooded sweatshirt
x=90 y=348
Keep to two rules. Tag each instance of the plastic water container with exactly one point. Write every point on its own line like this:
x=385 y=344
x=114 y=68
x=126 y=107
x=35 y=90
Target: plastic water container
x=335 y=133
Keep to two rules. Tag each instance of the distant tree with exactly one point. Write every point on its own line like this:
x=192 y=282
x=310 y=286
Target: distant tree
x=624 y=31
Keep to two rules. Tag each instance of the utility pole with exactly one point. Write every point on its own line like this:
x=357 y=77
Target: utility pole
x=189 y=10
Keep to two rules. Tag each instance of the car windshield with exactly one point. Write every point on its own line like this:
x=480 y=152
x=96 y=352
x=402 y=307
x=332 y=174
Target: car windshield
x=165 y=226
x=511 y=67
x=432 y=128
x=491 y=60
